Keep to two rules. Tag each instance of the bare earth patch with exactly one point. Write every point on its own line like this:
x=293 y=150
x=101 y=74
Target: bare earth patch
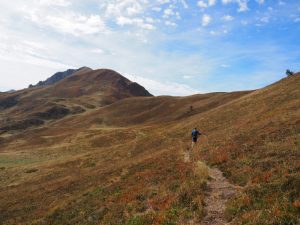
x=219 y=191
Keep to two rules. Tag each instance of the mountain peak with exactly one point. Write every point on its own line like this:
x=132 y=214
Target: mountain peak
x=105 y=81
x=60 y=76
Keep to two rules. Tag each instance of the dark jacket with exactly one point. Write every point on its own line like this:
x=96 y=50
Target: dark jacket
x=195 y=133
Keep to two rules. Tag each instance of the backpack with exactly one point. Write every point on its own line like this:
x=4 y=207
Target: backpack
x=195 y=133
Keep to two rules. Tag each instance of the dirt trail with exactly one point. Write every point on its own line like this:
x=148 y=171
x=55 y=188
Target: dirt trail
x=219 y=191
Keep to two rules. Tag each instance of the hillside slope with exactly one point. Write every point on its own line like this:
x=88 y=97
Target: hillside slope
x=80 y=91
x=123 y=163
x=255 y=141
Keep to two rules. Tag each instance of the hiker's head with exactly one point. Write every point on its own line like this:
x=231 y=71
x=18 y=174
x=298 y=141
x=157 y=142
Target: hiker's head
x=195 y=128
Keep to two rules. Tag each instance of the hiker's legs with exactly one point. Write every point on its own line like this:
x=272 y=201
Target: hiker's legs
x=194 y=145
x=194 y=141
x=192 y=151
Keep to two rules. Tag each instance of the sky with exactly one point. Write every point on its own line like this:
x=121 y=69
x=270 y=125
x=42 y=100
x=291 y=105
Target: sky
x=171 y=47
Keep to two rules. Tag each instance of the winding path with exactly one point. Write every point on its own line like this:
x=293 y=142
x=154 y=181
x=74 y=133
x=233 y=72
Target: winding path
x=219 y=191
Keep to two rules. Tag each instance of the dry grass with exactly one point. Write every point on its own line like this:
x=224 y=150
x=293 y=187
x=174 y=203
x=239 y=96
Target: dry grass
x=123 y=164
x=201 y=170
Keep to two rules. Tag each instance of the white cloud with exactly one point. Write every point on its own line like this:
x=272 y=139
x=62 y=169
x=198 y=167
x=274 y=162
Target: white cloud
x=184 y=3
x=98 y=51
x=136 y=13
x=63 y=3
x=112 y=37
x=170 y=23
x=163 y=88
x=156 y=9
x=68 y=23
x=206 y=3
x=260 y=1
x=202 y=4
x=218 y=33
x=225 y=65
x=76 y=24
x=131 y=12
x=27 y=72
x=212 y=2
x=52 y=55
x=27 y=58
x=244 y=22
x=168 y=12
x=227 y=1
x=206 y=19
x=162 y=2
x=134 y=21
x=243 y=4
x=124 y=8
x=227 y=18
x=265 y=19
x=150 y=20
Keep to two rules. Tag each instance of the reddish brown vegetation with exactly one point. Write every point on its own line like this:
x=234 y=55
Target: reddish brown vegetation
x=122 y=163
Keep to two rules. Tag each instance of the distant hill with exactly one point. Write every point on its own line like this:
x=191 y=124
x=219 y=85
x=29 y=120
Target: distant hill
x=66 y=93
x=10 y=91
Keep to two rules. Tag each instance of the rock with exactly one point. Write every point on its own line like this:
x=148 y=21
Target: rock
x=61 y=75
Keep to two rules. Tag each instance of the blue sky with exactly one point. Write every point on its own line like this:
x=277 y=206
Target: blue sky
x=172 y=47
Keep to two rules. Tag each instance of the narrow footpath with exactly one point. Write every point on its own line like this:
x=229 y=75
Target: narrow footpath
x=219 y=191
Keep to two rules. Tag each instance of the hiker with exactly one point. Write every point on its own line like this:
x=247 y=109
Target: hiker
x=189 y=156
x=289 y=73
x=195 y=134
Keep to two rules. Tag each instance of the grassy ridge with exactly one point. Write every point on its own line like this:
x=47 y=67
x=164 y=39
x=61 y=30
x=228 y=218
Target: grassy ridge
x=123 y=163
x=258 y=149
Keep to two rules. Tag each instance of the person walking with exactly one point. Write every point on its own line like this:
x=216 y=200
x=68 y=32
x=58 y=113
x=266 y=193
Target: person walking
x=189 y=154
x=195 y=135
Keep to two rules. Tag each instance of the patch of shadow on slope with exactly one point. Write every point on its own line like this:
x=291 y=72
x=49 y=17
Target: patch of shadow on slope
x=8 y=102
x=37 y=119
x=58 y=112
x=22 y=125
x=55 y=112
